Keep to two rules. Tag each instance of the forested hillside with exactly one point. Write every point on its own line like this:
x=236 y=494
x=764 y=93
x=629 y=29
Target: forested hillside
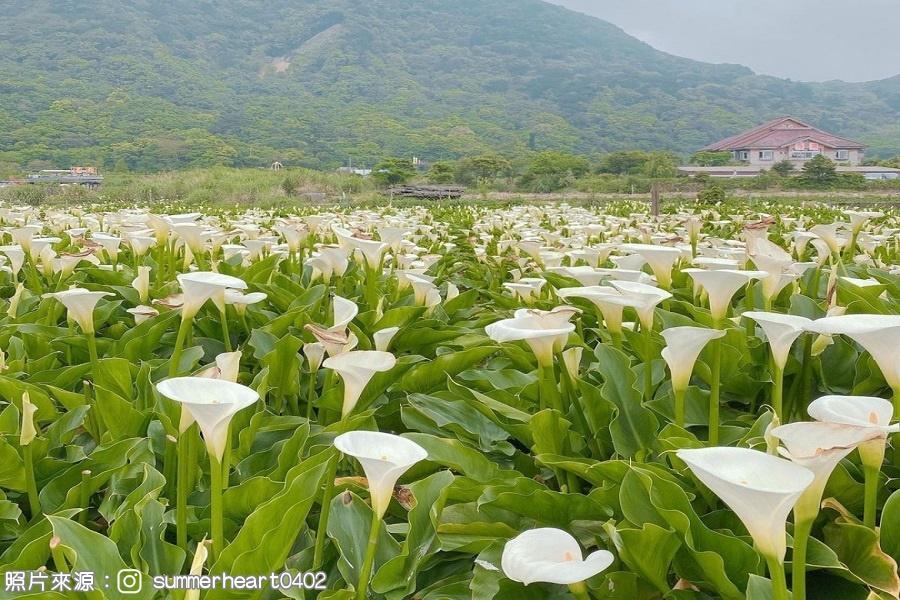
x=149 y=85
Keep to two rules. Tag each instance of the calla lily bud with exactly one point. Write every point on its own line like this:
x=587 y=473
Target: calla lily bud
x=572 y=360
x=200 y=556
x=141 y=283
x=383 y=337
x=29 y=431
x=14 y=300
x=315 y=354
x=820 y=344
x=771 y=439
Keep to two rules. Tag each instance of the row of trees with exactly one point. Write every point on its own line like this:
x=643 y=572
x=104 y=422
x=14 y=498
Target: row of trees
x=552 y=171
x=543 y=172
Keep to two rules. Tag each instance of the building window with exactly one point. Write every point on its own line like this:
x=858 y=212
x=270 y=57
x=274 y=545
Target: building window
x=766 y=155
x=743 y=155
x=842 y=154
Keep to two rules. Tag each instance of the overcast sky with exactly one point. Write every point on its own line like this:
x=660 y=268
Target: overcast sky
x=809 y=40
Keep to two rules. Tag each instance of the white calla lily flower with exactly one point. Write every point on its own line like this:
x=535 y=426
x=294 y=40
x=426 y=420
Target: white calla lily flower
x=383 y=337
x=80 y=304
x=781 y=332
x=760 y=488
x=660 y=258
x=878 y=334
x=384 y=458
x=356 y=369
x=819 y=446
x=549 y=555
x=609 y=301
x=211 y=403
x=200 y=286
x=721 y=285
x=545 y=332
x=683 y=347
x=643 y=298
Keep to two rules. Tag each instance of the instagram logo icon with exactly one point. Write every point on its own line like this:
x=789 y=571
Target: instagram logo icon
x=129 y=581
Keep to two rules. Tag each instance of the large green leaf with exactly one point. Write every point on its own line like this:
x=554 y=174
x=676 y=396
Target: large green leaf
x=634 y=427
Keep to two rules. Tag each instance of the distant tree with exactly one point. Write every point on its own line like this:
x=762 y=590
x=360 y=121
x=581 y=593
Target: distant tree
x=551 y=170
x=121 y=166
x=482 y=169
x=783 y=168
x=712 y=194
x=441 y=172
x=819 y=172
x=393 y=171
x=623 y=163
x=706 y=158
x=289 y=185
x=661 y=165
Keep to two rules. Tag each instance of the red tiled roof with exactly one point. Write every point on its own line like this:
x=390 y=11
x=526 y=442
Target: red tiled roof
x=779 y=133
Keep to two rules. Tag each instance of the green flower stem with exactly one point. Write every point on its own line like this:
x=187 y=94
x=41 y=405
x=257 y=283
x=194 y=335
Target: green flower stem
x=182 y=489
x=802 y=529
x=896 y=439
x=32 y=276
x=95 y=424
x=851 y=245
x=371 y=292
x=548 y=390
x=327 y=493
x=170 y=466
x=59 y=559
x=226 y=459
x=365 y=573
x=574 y=402
x=226 y=337
x=183 y=330
x=92 y=353
x=813 y=290
x=679 y=407
x=748 y=306
x=648 y=363
x=715 y=372
x=839 y=261
x=896 y=401
x=778 y=391
x=215 y=506
x=311 y=394
x=616 y=337
x=779 y=583
x=34 y=502
x=580 y=591
x=318 y=553
x=84 y=497
x=871 y=454
x=870 y=506
x=799 y=391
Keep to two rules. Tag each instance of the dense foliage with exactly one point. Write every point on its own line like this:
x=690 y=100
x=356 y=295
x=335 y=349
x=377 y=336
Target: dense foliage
x=190 y=392
x=154 y=86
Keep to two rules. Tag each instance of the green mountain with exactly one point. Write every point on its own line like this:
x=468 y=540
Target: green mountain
x=158 y=84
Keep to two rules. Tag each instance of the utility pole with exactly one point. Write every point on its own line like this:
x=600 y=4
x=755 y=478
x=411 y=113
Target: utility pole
x=654 y=199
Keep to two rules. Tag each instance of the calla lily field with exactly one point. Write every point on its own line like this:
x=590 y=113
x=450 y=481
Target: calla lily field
x=450 y=401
